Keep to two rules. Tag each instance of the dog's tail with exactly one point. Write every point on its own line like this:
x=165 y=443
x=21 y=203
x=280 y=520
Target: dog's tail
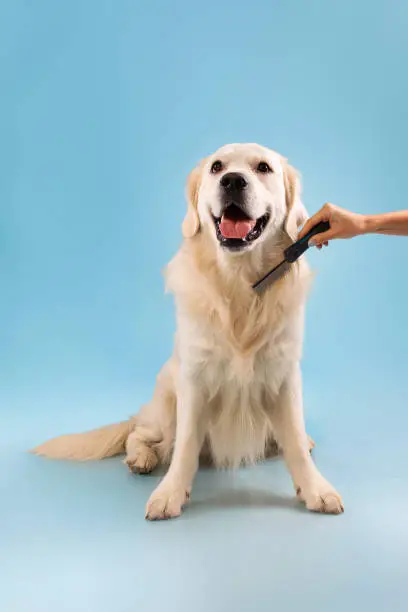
x=90 y=446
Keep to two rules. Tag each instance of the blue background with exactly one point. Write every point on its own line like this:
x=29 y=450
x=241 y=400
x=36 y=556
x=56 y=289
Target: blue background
x=105 y=107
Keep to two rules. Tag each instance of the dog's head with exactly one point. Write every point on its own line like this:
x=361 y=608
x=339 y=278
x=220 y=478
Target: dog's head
x=243 y=195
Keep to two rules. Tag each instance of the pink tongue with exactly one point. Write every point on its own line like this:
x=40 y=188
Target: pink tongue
x=236 y=229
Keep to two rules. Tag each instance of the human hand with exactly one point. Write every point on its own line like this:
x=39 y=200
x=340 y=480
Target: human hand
x=343 y=224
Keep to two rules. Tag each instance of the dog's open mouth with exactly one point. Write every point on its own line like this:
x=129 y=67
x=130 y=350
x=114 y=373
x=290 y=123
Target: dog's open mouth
x=235 y=230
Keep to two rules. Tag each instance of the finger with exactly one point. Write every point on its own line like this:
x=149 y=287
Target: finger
x=322 y=238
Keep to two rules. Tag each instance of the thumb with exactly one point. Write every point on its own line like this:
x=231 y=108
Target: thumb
x=310 y=223
x=321 y=215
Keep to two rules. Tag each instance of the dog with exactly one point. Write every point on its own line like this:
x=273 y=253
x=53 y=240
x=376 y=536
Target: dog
x=232 y=389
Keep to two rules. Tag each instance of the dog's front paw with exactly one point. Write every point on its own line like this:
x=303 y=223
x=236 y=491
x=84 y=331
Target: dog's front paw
x=166 y=502
x=322 y=498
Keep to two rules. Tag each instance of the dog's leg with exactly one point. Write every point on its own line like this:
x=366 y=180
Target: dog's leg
x=173 y=492
x=289 y=428
x=151 y=439
x=311 y=443
x=273 y=449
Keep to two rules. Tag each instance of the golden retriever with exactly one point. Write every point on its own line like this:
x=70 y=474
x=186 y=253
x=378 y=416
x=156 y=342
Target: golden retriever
x=232 y=389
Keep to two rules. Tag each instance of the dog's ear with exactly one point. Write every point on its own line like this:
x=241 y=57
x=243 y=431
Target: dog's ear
x=296 y=213
x=191 y=223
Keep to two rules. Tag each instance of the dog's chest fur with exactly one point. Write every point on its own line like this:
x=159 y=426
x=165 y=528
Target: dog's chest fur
x=239 y=349
x=241 y=388
x=243 y=391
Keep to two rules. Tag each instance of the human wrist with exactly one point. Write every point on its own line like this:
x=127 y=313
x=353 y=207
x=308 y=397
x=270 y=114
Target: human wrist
x=370 y=224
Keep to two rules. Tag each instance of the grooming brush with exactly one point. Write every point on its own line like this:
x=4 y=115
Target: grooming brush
x=291 y=254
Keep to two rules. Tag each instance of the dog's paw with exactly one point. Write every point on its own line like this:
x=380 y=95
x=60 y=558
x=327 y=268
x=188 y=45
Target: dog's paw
x=166 y=502
x=322 y=499
x=142 y=461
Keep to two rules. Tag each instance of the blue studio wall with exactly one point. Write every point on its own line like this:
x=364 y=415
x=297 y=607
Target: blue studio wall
x=105 y=108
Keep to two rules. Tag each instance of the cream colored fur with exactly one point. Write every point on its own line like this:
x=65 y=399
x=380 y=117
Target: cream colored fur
x=96 y=444
x=232 y=389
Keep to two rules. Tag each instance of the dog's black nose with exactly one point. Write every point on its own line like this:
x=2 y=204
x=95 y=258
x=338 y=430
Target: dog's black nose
x=233 y=181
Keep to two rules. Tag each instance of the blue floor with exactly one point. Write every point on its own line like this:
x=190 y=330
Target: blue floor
x=74 y=536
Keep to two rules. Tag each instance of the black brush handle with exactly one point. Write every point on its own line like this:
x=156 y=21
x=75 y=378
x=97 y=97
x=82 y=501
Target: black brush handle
x=295 y=250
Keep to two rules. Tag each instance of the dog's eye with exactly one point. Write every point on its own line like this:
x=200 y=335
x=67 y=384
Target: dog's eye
x=216 y=167
x=263 y=168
